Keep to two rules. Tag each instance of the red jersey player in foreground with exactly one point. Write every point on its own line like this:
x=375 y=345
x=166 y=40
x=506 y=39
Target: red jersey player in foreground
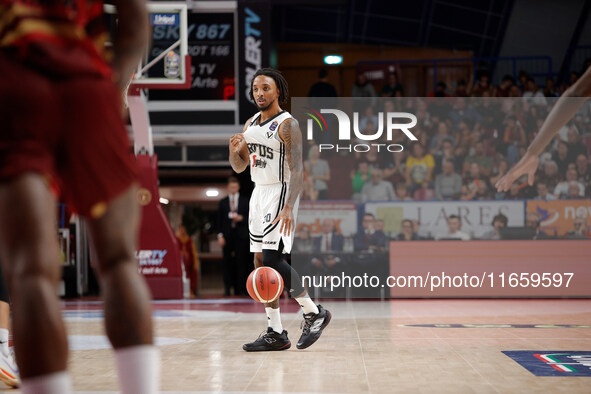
x=272 y=143
x=60 y=109
x=564 y=109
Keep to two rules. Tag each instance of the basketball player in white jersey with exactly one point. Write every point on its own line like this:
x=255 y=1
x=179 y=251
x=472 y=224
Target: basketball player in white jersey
x=271 y=143
x=565 y=108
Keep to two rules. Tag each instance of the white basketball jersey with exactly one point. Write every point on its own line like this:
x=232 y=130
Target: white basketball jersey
x=266 y=150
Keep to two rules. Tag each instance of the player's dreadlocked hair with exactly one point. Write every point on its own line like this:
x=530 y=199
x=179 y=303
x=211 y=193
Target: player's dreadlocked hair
x=279 y=81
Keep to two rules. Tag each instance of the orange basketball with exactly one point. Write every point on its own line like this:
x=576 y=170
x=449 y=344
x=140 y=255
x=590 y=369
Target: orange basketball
x=264 y=284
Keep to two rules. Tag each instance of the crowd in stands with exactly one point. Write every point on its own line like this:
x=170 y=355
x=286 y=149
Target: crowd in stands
x=469 y=136
x=325 y=249
x=467 y=139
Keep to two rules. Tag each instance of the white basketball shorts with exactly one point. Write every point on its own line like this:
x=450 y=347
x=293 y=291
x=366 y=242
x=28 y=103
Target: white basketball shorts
x=265 y=204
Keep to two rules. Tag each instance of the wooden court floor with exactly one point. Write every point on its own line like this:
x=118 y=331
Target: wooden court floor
x=410 y=346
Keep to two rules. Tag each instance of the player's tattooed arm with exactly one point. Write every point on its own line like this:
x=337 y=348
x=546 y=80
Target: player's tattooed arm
x=291 y=135
x=239 y=151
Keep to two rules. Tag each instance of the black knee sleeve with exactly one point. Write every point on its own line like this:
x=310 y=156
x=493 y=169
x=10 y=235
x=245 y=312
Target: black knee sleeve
x=291 y=280
x=3 y=288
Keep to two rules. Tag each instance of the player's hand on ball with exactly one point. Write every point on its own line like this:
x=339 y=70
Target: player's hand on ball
x=286 y=218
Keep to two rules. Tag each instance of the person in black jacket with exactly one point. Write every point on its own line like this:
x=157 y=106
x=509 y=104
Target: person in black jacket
x=232 y=228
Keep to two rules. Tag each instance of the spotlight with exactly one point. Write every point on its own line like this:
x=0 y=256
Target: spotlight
x=333 y=59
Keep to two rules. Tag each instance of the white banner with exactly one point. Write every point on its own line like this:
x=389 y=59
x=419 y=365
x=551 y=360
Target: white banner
x=344 y=214
x=476 y=216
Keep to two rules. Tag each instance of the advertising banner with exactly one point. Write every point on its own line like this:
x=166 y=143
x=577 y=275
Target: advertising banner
x=343 y=214
x=476 y=216
x=254 y=35
x=557 y=217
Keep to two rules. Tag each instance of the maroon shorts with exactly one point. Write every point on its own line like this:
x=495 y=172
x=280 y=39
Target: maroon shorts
x=69 y=129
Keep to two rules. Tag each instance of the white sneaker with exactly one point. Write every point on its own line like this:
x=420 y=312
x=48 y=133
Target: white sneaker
x=8 y=370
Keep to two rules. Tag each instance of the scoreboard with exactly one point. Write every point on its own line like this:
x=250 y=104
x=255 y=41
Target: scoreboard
x=227 y=41
x=211 y=45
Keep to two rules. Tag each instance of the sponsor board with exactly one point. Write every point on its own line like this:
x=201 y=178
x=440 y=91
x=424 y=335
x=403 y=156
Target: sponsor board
x=476 y=216
x=344 y=214
x=557 y=217
x=253 y=49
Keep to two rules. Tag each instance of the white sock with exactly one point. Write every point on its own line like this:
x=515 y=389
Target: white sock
x=138 y=368
x=308 y=306
x=274 y=320
x=54 y=383
x=4 y=341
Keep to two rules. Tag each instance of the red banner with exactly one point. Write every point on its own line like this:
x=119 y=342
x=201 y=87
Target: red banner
x=158 y=255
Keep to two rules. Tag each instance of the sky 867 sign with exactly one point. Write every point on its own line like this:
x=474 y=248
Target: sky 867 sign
x=211 y=47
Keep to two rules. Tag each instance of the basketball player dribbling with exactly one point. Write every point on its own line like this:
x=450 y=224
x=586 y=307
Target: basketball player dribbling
x=271 y=142
x=565 y=108
x=62 y=130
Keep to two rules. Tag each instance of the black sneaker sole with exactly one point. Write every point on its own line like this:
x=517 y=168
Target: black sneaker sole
x=322 y=327
x=284 y=347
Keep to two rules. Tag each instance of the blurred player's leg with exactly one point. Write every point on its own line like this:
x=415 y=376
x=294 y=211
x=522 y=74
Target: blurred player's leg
x=30 y=254
x=128 y=317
